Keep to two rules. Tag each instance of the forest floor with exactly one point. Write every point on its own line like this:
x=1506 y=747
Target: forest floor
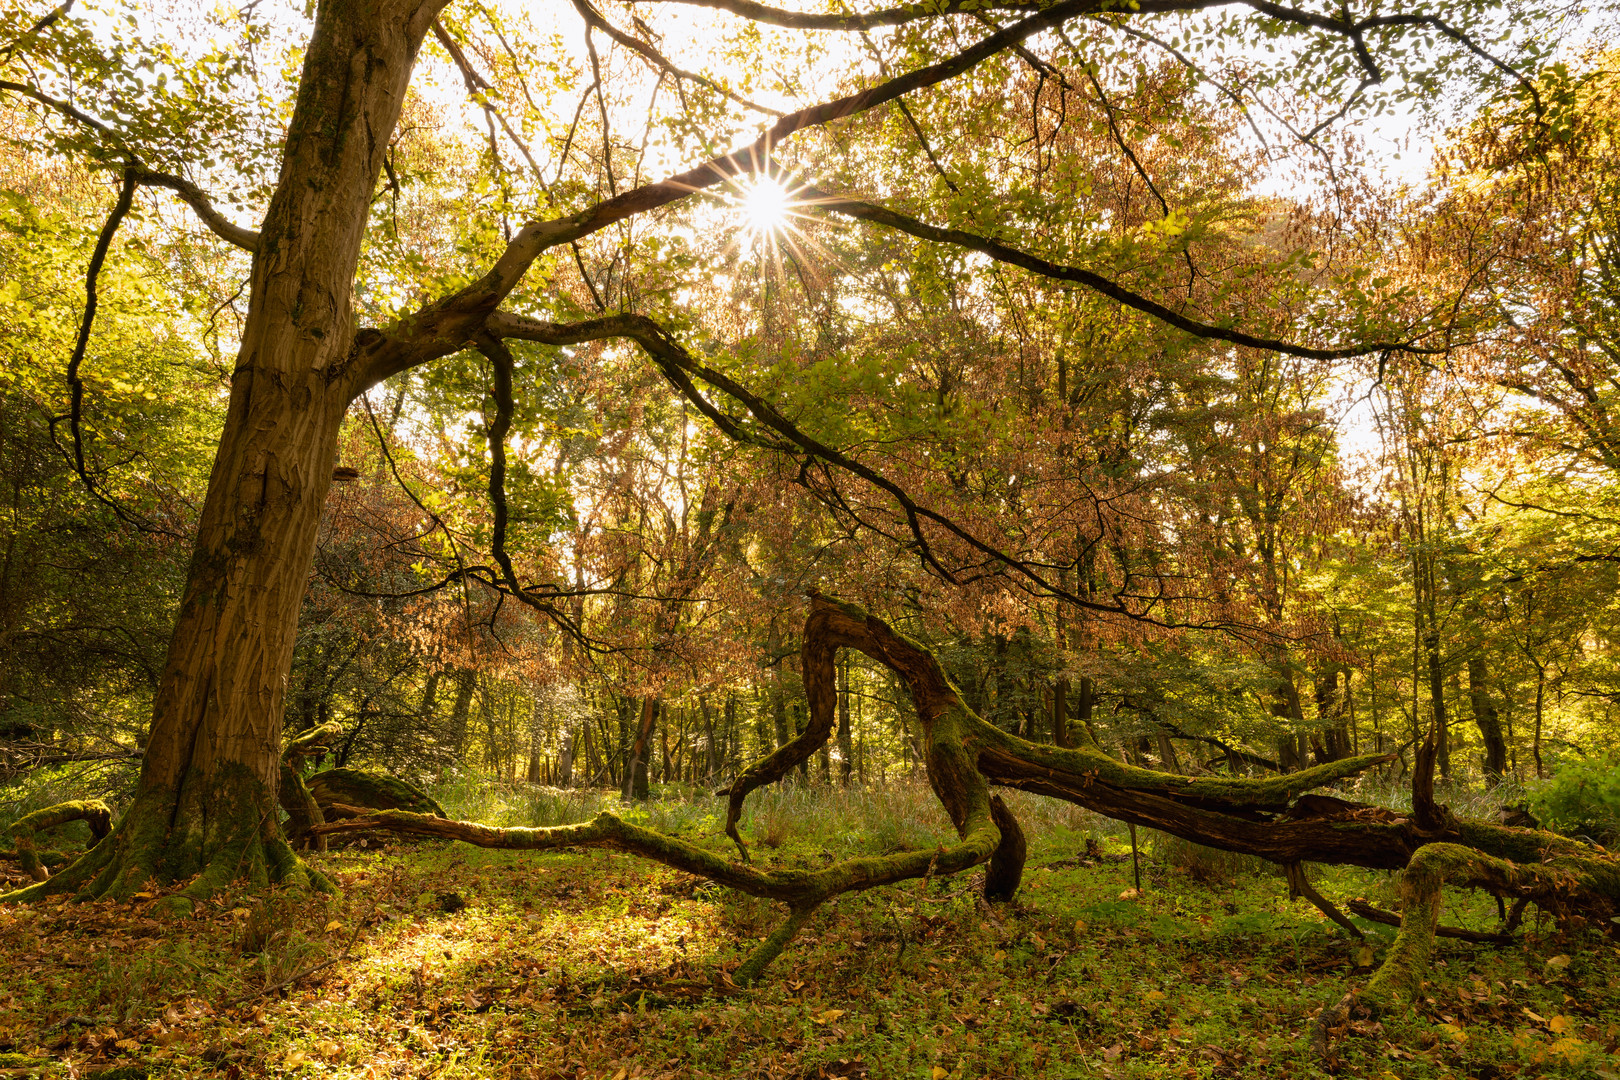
x=446 y=961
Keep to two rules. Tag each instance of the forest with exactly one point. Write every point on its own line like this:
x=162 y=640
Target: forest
x=808 y=540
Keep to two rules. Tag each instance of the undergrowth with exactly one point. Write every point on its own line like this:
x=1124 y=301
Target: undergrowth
x=450 y=962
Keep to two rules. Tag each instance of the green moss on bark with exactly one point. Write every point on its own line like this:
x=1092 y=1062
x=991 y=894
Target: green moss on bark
x=370 y=791
x=219 y=833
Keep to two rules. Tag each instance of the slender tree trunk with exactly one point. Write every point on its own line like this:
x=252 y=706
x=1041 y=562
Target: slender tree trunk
x=1487 y=720
x=635 y=773
x=1541 y=698
x=711 y=749
x=1167 y=752
x=1083 y=707
x=1437 y=701
x=465 y=684
x=729 y=751
x=1285 y=705
x=1060 y=712
x=846 y=745
x=564 y=775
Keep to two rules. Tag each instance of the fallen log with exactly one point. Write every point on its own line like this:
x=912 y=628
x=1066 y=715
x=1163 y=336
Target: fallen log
x=1277 y=818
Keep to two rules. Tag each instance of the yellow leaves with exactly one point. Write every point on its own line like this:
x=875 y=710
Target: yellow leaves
x=1154 y=995
x=1131 y=894
x=1537 y=1017
x=1454 y=1032
x=335 y=924
x=143 y=896
x=1560 y=1025
x=1558 y=963
x=826 y=1017
x=329 y=1049
x=1568 y=1049
x=939 y=1073
x=1364 y=956
x=623 y=1073
x=240 y=913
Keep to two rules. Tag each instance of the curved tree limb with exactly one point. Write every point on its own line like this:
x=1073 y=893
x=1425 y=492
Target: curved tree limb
x=446 y=325
x=995 y=249
x=680 y=367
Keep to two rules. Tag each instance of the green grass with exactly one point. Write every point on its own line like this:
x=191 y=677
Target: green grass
x=464 y=963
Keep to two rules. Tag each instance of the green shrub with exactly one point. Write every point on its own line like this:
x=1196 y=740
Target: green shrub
x=1582 y=798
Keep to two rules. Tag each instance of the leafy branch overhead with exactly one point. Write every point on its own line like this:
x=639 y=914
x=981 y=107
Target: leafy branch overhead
x=547 y=357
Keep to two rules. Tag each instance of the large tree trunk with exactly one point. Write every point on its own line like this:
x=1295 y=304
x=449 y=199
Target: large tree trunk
x=206 y=803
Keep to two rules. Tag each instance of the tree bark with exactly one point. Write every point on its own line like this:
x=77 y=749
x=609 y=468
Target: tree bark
x=1487 y=720
x=635 y=771
x=846 y=743
x=206 y=804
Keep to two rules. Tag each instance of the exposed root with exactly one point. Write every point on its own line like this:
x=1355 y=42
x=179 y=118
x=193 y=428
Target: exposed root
x=92 y=812
x=159 y=844
x=1298 y=886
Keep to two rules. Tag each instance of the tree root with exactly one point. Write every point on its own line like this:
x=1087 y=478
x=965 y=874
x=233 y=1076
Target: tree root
x=92 y=812
x=158 y=845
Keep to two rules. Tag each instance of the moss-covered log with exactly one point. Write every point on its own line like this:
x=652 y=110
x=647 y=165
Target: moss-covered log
x=369 y=791
x=1280 y=818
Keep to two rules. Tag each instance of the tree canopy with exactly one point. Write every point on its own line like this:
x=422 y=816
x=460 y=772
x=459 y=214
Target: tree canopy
x=559 y=366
